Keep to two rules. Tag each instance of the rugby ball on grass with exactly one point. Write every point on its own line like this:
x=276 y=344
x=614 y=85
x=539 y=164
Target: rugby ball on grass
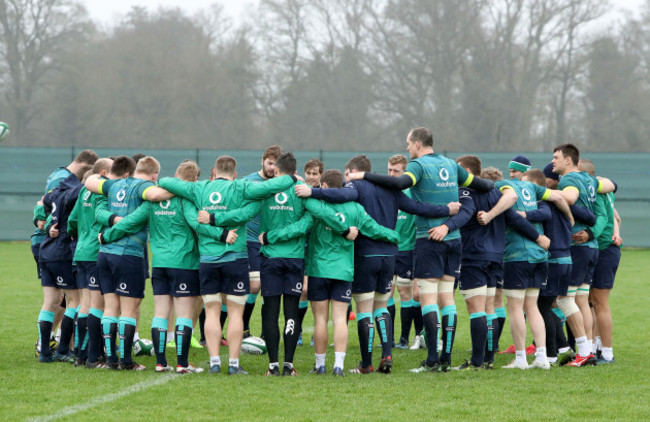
x=4 y=130
x=254 y=346
x=143 y=347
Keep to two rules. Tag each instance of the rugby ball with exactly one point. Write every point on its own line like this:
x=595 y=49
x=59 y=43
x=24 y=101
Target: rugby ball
x=4 y=130
x=143 y=347
x=254 y=346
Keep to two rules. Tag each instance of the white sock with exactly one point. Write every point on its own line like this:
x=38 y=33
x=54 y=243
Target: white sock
x=215 y=360
x=170 y=337
x=592 y=346
x=233 y=362
x=339 y=359
x=540 y=354
x=608 y=353
x=274 y=365
x=563 y=349
x=583 y=346
x=57 y=337
x=520 y=356
x=288 y=365
x=136 y=337
x=320 y=359
x=552 y=360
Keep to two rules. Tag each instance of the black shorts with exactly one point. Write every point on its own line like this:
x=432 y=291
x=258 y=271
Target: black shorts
x=329 y=289
x=521 y=275
x=435 y=259
x=475 y=274
x=229 y=278
x=584 y=263
x=58 y=274
x=405 y=264
x=87 y=275
x=175 y=282
x=557 y=282
x=373 y=274
x=496 y=275
x=121 y=274
x=254 y=256
x=35 y=249
x=606 y=267
x=281 y=276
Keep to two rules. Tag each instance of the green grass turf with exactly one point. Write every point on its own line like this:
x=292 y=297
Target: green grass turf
x=30 y=390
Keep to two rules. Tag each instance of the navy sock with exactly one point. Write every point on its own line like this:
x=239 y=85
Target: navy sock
x=159 y=339
x=303 y=306
x=183 y=340
x=501 y=316
x=545 y=304
x=366 y=330
x=418 y=322
x=127 y=331
x=248 y=311
x=81 y=337
x=491 y=342
x=109 y=332
x=449 y=321
x=406 y=317
x=95 y=338
x=291 y=326
x=67 y=330
x=392 y=313
x=202 y=324
x=270 y=316
x=560 y=338
x=45 y=320
x=430 y=322
x=384 y=325
x=479 y=330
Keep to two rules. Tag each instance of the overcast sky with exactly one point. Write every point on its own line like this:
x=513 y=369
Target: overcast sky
x=107 y=11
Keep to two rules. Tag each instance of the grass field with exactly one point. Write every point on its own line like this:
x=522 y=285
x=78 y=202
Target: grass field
x=33 y=391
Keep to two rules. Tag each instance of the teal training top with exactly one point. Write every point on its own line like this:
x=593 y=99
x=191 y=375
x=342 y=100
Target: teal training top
x=587 y=186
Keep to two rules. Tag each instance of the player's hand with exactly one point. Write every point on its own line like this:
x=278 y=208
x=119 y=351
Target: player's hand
x=261 y=238
x=483 y=218
x=299 y=177
x=357 y=175
x=454 y=207
x=522 y=213
x=438 y=234
x=204 y=217
x=580 y=237
x=54 y=231
x=616 y=240
x=117 y=220
x=232 y=236
x=352 y=235
x=543 y=241
x=40 y=224
x=572 y=220
x=303 y=191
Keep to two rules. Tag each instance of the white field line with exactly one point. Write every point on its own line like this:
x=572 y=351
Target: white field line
x=71 y=410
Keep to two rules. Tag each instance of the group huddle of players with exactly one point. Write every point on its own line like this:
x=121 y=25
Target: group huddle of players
x=546 y=240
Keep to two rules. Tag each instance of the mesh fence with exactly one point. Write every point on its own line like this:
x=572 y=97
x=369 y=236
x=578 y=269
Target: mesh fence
x=23 y=172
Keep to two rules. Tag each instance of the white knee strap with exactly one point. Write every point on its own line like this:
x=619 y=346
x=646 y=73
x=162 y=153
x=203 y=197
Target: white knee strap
x=532 y=292
x=399 y=281
x=491 y=292
x=212 y=298
x=470 y=293
x=379 y=297
x=583 y=290
x=254 y=276
x=567 y=305
x=428 y=286
x=362 y=297
x=239 y=300
x=446 y=287
x=515 y=293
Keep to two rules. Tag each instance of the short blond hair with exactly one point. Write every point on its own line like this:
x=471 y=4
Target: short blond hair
x=398 y=159
x=148 y=165
x=492 y=173
x=188 y=170
x=226 y=165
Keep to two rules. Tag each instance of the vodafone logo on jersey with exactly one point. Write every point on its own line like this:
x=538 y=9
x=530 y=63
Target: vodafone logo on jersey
x=526 y=194
x=281 y=198
x=53 y=207
x=121 y=195
x=183 y=286
x=165 y=204
x=215 y=197
x=592 y=191
x=444 y=174
x=87 y=195
x=341 y=217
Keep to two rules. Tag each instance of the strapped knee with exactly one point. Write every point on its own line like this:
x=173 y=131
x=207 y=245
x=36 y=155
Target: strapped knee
x=428 y=287
x=470 y=293
x=532 y=292
x=215 y=298
x=254 y=276
x=239 y=300
x=567 y=305
x=381 y=297
x=583 y=290
x=406 y=282
x=362 y=297
x=515 y=293
x=491 y=292
x=446 y=286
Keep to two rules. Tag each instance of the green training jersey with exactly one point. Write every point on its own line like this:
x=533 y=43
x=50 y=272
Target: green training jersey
x=330 y=254
x=405 y=226
x=87 y=219
x=436 y=180
x=253 y=226
x=222 y=197
x=52 y=183
x=518 y=247
x=604 y=228
x=124 y=196
x=587 y=186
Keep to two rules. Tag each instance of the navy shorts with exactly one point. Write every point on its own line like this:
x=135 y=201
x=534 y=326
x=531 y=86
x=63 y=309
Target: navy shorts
x=254 y=256
x=58 y=274
x=329 y=289
x=435 y=259
x=35 y=249
x=496 y=275
x=405 y=264
x=280 y=276
x=373 y=274
x=175 y=282
x=87 y=275
x=608 y=260
x=475 y=274
x=584 y=263
x=121 y=274
x=557 y=282
x=230 y=278
x=520 y=275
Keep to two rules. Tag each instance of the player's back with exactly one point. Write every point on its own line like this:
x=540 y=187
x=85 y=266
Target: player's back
x=253 y=226
x=173 y=243
x=483 y=242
